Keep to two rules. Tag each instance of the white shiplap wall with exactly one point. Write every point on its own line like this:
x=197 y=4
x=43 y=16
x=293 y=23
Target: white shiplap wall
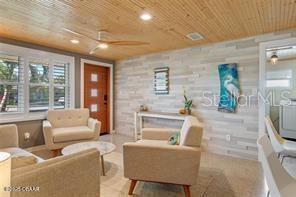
x=196 y=70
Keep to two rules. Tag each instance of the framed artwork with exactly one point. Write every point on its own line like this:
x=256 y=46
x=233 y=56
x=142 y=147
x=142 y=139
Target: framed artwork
x=161 y=80
x=229 y=87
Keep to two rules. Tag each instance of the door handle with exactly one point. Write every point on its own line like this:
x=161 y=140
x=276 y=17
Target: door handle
x=105 y=99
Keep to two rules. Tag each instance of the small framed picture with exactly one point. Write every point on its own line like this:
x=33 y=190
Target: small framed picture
x=161 y=80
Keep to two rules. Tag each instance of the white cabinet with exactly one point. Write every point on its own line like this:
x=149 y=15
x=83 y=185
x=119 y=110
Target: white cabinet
x=288 y=121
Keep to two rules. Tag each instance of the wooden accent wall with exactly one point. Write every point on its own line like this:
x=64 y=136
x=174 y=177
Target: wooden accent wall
x=196 y=70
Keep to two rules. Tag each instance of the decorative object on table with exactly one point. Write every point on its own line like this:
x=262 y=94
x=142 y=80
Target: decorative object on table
x=161 y=80
x=143 y=108
x=5 y=171
x=182 y=111
x=229 y=87
x=187 y=104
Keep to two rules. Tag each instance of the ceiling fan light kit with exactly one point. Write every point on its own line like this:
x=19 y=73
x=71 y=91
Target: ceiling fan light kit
x=103 y=46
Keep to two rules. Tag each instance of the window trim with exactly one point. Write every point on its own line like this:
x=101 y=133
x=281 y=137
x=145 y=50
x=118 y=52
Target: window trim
x=28 y=55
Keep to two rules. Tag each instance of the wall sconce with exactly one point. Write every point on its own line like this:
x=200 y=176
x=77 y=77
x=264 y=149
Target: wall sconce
x=274 y=58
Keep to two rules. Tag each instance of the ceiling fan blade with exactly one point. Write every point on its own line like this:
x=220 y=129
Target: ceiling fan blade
x=80 y=34
x=124 y=42
x=94 y=50
x=116 y=42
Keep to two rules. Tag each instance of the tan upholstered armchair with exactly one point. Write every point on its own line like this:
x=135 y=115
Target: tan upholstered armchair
x=64 y=127
x=152 y=159
x=9 y=142
x=61 y=176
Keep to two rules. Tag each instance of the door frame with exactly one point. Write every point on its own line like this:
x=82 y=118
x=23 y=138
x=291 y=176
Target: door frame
x=103 y=64
x=262 y=75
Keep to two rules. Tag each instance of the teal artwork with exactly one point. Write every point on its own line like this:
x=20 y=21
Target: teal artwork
x=229 y=87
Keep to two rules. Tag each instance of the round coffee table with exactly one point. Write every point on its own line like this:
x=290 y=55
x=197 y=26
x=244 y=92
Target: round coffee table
x=103 y=147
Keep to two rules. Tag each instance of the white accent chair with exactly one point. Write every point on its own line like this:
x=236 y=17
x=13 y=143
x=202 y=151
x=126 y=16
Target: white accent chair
x=152 y=159
x=279 y=182
x=284 y=148
x=65 y=127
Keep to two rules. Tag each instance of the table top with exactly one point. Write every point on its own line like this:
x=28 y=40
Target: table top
x=174 y=116
x=103 y=147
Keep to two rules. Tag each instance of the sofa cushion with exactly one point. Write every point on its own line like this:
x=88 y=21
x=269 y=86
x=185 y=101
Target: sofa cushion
x=68 y=117
x=22 y=161
x=65 y=134
x=17 y=152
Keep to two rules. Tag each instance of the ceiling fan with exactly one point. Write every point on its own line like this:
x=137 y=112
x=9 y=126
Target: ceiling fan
x=102 y=43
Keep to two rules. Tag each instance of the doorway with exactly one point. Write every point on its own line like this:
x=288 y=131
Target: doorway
x=96 y=94
x=277 y=78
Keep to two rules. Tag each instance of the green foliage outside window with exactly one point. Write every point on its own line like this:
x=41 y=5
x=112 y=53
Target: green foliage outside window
x=8 y=93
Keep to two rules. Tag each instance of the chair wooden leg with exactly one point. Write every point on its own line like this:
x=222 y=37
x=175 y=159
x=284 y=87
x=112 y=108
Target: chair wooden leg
x=132 y=187
x=187 y=190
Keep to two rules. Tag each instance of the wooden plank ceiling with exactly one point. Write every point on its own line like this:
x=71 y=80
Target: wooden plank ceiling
x=42 y=22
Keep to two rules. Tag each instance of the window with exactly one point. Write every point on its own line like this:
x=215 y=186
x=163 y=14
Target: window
x=33 y=81
x=9 y=83
x=279 y=78
x=61 y=86
x=39 y=86
x=278 y=83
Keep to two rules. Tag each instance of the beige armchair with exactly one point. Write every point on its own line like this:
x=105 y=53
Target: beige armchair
x=61 y=176
x=64 y=176
x=9 y=142
x=152 y=159
x=64 y=127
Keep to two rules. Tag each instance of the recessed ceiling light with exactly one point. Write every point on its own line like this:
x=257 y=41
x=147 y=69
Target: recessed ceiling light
x=74 y=41
x=103 y=46
x=146 y=16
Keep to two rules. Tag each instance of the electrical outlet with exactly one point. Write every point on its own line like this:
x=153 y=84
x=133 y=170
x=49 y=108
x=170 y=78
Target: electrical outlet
x=27 y=136
x=228 y=138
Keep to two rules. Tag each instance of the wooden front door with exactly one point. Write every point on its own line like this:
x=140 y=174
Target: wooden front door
x=96 y=93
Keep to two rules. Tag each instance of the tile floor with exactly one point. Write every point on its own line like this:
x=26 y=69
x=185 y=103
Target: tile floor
x=219 y=175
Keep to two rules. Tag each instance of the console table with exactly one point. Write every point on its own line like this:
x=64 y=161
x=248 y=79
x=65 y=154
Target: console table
x=138 y=119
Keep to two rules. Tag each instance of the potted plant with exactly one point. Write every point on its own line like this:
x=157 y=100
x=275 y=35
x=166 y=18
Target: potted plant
x=187 y=105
